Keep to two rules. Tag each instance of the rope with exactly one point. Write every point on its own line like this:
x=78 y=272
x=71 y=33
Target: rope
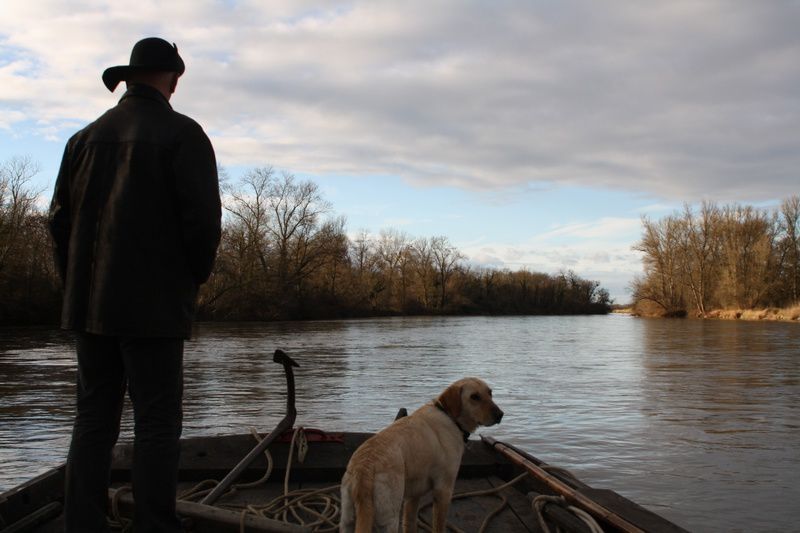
x=324 y=508
x=543 y=499
x=201 y=489
x=474 y=494
x=116 y=520
x=587 y=518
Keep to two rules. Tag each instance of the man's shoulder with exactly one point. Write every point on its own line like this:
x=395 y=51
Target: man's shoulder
x=124 y=122
x=187 y=126
x=185 y=120
x=86 y=131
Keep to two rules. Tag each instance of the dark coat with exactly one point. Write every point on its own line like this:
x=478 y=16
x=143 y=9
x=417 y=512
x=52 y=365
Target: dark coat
x=135 y=218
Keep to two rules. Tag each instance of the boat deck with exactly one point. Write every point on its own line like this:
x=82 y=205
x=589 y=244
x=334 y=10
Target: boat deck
x=211 y=458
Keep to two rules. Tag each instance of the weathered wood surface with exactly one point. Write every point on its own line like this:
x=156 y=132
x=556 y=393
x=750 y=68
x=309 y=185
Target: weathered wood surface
x=610 y=509
x=202 y=518
x=205 y=458
x=31 y=497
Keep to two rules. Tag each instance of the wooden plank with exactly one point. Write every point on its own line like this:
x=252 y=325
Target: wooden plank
x=213 y=457
x=577 y=498
x=250 y=496
x=35 y=519
x=469 y=513
x=633 y=512
x=462 y=514
x=32 y=495
x=518 y=504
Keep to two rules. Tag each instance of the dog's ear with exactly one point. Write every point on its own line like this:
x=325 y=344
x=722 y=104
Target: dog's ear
x=450 y=400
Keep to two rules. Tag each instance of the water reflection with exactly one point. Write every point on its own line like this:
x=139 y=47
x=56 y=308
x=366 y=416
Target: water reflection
x=37 y=383
x=724 y=395
x=688 y=418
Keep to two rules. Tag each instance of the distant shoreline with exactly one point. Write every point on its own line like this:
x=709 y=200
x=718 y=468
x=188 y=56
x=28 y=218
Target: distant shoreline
x=771 y=314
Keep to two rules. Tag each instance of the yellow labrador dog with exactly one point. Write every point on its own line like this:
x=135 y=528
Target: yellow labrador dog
x=415 y=455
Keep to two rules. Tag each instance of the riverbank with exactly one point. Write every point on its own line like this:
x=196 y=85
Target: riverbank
x=787 y=314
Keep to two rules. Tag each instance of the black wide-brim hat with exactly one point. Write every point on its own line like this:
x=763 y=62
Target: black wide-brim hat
x=151 y=54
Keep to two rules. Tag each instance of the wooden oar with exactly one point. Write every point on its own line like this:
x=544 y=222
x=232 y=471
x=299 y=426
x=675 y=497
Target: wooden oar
x=573 y=496
x=285 y=424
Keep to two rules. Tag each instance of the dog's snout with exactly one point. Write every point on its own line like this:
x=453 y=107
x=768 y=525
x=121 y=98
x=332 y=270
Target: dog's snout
x=498 y=415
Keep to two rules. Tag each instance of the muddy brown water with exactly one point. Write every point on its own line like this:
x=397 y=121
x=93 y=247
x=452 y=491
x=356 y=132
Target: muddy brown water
x=697 y=420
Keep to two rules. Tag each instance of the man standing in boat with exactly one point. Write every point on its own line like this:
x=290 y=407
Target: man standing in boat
x=135 y=218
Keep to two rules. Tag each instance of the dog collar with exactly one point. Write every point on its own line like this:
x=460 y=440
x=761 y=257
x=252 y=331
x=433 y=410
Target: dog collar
x=464 y=432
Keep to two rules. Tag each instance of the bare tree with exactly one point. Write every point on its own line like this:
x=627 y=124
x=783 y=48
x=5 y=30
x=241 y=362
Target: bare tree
x=337 y=261
x=295 y=212
x=747 y=242
x=425 y=270
x=660 y=245
x=280 y=225
x=364 y=258
x=249 y=206
x=445 y=259
x=700 y=255
x=282 y=257
x=17 y=204
x=789 y=247
x=392 y=252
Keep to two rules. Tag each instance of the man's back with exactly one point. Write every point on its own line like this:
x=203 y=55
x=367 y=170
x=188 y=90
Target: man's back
x=136 y=219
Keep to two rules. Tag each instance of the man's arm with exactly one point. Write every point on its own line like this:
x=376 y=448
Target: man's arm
x=197 y=188
x=59 y=217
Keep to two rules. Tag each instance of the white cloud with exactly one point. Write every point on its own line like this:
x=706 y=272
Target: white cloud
x=607 y=228
x=680 y=100
x=599 y=250
x=10 y=117
x=612 y=267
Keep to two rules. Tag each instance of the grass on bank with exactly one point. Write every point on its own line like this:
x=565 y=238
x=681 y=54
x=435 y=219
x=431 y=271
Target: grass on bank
x=650 y=310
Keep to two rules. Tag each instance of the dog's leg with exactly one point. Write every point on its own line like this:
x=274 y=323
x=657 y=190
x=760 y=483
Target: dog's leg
x=441 y=504
x=388 y=497
x=410 y=512
x=348 y=517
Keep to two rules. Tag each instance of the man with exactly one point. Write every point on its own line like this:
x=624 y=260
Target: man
x=135 y=218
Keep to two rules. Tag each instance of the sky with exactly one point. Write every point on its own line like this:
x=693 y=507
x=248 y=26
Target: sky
x=532 y=134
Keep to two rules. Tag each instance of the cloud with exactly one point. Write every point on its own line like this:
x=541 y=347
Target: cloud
x=613 y=267
x=9 y=117
x=598 y=250
x=679 y=100
x=607 y=228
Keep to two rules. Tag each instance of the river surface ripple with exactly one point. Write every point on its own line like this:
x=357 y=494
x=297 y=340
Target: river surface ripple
x=696 y=420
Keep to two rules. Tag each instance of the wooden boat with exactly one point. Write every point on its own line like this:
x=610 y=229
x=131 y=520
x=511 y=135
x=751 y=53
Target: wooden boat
x=287 y=481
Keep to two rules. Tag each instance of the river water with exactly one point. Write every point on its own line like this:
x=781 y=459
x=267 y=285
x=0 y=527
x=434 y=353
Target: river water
x=697 y=420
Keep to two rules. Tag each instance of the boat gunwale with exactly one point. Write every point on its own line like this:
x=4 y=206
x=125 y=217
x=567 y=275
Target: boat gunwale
x=324 y=464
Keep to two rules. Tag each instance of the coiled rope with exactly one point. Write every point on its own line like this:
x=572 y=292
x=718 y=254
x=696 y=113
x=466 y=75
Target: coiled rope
x=318 y=509
x=540 y=501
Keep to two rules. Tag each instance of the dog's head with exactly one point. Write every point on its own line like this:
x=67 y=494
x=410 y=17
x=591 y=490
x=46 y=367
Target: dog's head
x=469 y=402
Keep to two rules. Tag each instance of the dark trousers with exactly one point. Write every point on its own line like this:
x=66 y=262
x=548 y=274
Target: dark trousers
x=152 y=370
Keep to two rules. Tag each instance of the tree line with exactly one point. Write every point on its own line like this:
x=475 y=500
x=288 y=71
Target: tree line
x=285 y=255
x=720 y=257
x=28 y=280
